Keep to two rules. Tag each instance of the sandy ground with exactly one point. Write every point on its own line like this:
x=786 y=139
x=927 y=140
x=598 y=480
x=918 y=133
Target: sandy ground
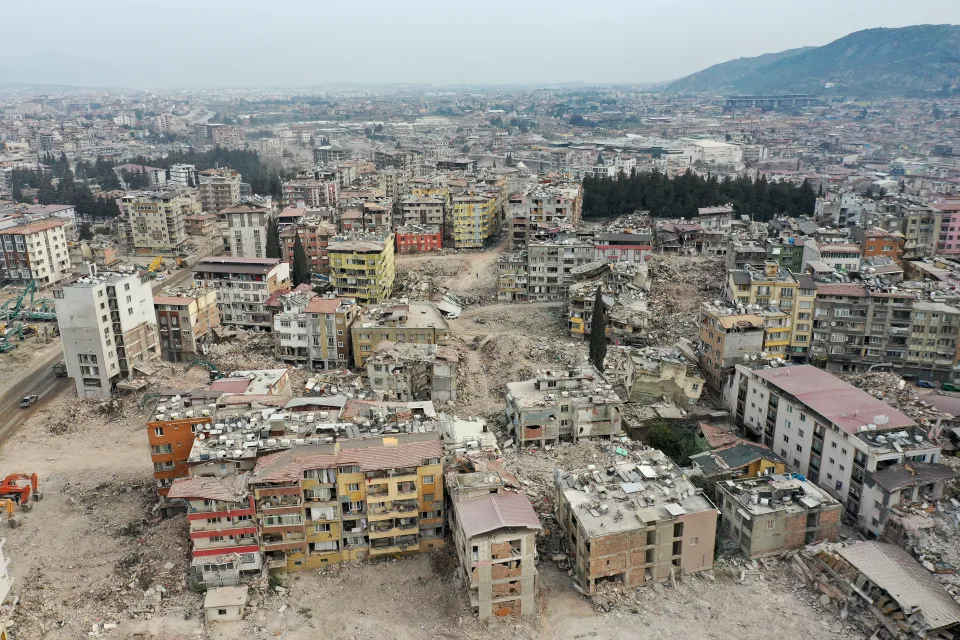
x=24 y=357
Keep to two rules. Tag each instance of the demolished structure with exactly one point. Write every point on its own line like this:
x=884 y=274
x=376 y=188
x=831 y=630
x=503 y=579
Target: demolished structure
x=656 y=372
x=405 y=372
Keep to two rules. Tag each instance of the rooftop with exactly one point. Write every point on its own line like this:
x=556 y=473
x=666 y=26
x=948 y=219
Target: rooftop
x=494 y=511
x=788 y=493
x=630 y=496
x=232 y=488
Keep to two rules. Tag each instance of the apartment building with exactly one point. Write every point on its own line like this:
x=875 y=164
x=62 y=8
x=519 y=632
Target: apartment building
x=329 y=154
x=156 y=175
x=423 y=210
x=841 y=257
x=920 y=226
x=474 y=219
x=185 y=320
x=219 y=189
x=411 y=372
x=562 y=405
x=533 y=212
x=243 y=286
x=788 y=334
x=201 y=224
x=108 y=326
x=550 y=265
x=224 y=535
x=410 y=323
x=227 y=136
x=419 y=239
x=315 y=237
x=634 y=523
x=786 y=252
x=362 y=267
x=36 y=251
x=312 y=193
x=494 y=533
x=156 y=221
x=875 y=241
x=830 y=432
x=623 y=246
x=183 y=176
x=319 y=505
x=772 y=514
x=740 y=254
x=245 y=230
x=512 y=279
x=857 y=327
x=171 y=438
x=410 y=163
x=727 y=337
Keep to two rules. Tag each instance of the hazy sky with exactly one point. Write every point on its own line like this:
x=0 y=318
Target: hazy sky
x=217 y=43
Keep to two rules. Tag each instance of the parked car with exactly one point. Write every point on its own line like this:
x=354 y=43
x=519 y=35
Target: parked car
x=923 y=384
x=27 y=401
x=946 y=386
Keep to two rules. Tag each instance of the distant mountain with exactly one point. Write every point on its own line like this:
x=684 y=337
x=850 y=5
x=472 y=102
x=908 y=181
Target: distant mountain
x=904 y=61
x=727 y=74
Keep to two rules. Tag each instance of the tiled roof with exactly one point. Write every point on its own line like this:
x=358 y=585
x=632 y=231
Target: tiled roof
x=495 y=511
x=226 y=488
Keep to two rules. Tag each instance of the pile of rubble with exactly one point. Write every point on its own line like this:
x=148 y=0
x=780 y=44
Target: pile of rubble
x=895 y=391
x=680 y=284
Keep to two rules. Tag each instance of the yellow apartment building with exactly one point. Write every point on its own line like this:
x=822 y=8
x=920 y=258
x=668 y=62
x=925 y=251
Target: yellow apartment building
x=362 y=268
x=412 y=323
x=474 y=219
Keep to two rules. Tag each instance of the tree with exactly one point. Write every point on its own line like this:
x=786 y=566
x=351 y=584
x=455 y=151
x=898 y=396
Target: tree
x=301 y=267
x=273 y=239
x=16 y=189
x=84 y=231
x=577 y=120
x=510 y=162
x=598 y=332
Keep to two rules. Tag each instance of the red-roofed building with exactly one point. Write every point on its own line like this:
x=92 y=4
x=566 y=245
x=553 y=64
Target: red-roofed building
x=826 y=429
x=35 y=251
x=419 y=239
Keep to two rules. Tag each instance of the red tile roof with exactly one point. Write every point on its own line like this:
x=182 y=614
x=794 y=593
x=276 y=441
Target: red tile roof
x=495 y=511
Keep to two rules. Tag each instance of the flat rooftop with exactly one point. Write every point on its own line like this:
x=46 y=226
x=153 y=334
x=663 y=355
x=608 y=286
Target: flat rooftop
x=773 y=493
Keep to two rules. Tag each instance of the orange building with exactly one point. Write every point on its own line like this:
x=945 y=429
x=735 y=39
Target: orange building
x=419 y=239
x=171 y=438
x=877 y=242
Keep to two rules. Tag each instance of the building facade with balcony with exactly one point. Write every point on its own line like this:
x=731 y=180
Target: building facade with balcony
x=243 y=286
x=185 y=320
x=362 y=268
x=35 y=251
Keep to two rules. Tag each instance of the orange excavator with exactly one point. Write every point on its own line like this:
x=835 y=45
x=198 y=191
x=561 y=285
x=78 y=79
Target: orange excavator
x=7 y=505
x=19 y=487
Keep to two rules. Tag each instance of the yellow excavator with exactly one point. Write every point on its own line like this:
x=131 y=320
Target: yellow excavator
x=156 y=265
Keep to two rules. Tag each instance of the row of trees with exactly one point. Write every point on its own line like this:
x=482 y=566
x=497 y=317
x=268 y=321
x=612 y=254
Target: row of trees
x=67 y=191
x=681 y=196
x=262 y=179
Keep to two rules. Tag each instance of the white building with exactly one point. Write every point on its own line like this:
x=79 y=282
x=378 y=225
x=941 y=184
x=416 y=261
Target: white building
x=243 y=287
x=108 y=326
x=245 y=230
x=828 y=430
x=7 y=601
x=714 y=152
x=184 y=175
x=35 y=251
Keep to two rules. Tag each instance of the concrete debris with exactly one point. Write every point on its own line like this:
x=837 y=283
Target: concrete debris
x=679 y=286
x=896 y=392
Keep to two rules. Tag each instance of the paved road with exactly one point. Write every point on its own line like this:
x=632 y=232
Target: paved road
x=41 y=382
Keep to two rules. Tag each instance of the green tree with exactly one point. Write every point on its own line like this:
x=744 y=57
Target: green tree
x=16 y=188
x=273 y=239
x=598 y=332
x=301 y=267
x=84 y=231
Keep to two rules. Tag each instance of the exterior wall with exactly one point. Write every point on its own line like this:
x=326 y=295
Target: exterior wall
x=219 y=192
x=182 y=326
x=35 y=251
x=365 y=275
x=474 y=221
x=245 y=235
x=241 y=296
x=500 y=572
x=156 y=222
x=366 y=339
x=419 y=242
x=170 y=444
x=315 y=239
x=773 y=533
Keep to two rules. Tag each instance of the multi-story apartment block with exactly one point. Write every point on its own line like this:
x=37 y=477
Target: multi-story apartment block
x=896 y=485
x=328 y=154
x=312 y=193
x=784 y=251
x=156 y=221
x=409 y=162
x=562 y=405
x=412 y=323
x=424 y=210
x=219 y=189
x=740 y=254
x=828 y=430
x=789 y=333
x=315 y=237
x=108 y=326
x=291 y=326
x=636 y=523
x=227 y=136
x=842 y=257
x=243 y=286
x=549 y=266
x=920 y=226
x=319 y=505
x=183 y=176
x=857 y=328
x=223 y=528
x=35 y=251
x=776 y=513
x=411 y=372
x=653 y=373
x=727 y=337
x=362 y=267
x=245 y=230
x=185 y=320
x=497 y=554
x=512 y=279
x=532 y=213
x=474 y=220
x=419 y=239
x=623 y=246
x=878 y=242
x=329 y=324
x=201 y=224
x=170 y=434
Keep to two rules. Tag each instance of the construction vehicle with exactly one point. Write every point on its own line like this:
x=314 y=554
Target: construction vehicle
x=19 y=487
x=156 y=265
x=11 y=308
x=60 y=369
x=8 y=506
x=6 y=345
x=181 y=263
x=215 y=373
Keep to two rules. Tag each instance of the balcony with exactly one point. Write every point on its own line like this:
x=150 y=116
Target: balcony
x=284 y=543
x=276 y=561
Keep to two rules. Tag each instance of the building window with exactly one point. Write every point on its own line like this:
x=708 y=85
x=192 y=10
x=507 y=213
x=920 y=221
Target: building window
x=694 y=541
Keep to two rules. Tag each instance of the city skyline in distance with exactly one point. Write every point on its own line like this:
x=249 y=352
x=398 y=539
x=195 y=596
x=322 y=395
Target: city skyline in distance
x=296 y=44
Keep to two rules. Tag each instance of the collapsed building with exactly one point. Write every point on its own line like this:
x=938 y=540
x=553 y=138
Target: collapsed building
x=656 y=372
x=405 y=372
x=634 y=523
x=625 y=289
x=562 y=405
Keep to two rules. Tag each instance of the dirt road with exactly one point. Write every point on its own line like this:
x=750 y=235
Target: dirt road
x=39 y=380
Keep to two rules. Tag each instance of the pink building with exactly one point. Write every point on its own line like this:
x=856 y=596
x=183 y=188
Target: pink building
x=949 y=242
